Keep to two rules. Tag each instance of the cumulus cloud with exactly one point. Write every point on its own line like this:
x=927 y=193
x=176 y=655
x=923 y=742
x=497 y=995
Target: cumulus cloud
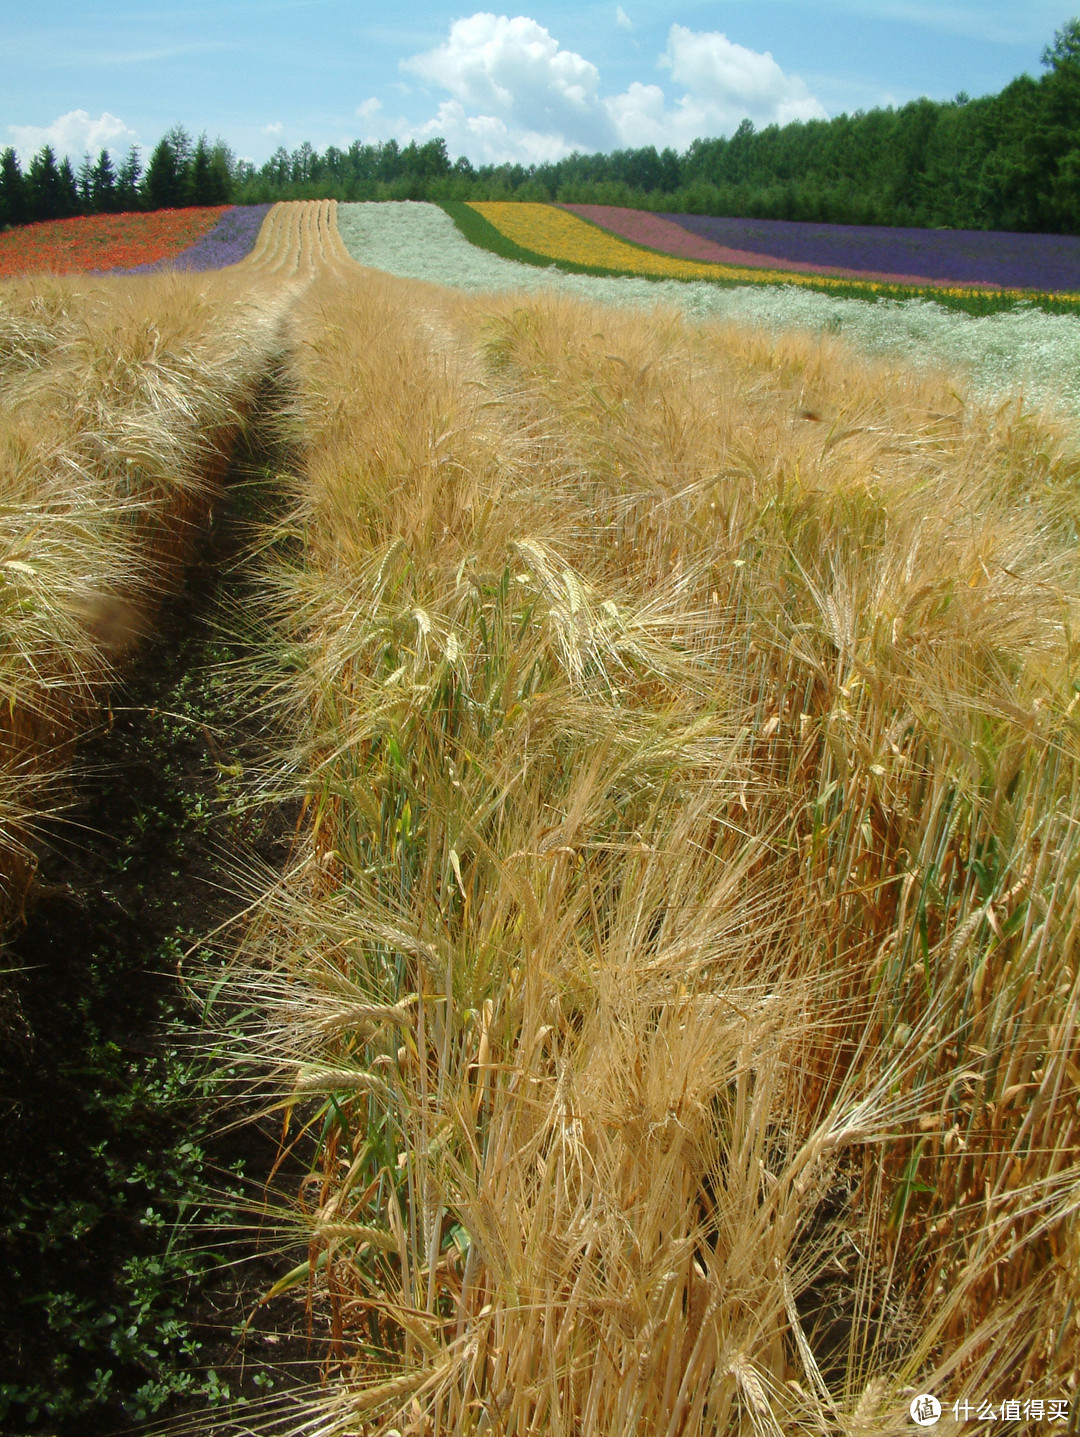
x=369 y=109
x=488 y=139
x=622 y=19
x=729 y=83
x=515 y=72
x=518 y=96
x=275 y=127
x=723 y=84
x=71 y=134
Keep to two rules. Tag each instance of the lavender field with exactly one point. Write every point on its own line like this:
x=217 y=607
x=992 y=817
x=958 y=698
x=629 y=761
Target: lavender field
x=231 y=240
x=1021 y=261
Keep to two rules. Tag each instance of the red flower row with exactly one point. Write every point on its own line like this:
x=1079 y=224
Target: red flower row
x=102 y=242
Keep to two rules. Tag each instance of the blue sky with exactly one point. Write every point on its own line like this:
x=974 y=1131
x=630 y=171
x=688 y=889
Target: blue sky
x=519 y=84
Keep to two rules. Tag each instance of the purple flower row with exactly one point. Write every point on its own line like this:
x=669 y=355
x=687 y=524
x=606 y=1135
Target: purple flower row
x=231 y=240
x=1021 y=261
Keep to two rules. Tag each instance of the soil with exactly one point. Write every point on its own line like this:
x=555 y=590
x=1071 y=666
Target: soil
x=129 y=1263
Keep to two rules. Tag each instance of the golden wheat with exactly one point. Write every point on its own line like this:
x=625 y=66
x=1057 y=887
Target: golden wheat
x=120 y=401
x=685 y=943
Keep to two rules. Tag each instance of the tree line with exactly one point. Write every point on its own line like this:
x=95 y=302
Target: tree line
x=179 y=173
x=1007 y=161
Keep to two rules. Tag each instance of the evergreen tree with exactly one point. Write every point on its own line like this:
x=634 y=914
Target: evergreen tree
x=388 y=166
x=1065 y=51
x=182 y=147
x=277 y=167
x=209 y=178
x=163 y=184
x=303 y=164
x=47 y=199
x=222 y=166
x=1057 y=131
x=103 y=196
x=670 y=171
x=127 y=181
x=198 y=176
x=167 y=182
x=429 y=160
x=14 y=206
x=85 y=183
x=68 y=190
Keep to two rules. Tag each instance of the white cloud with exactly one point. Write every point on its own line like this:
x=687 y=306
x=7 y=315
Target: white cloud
x=71 y=134
x=723 y=84
x=369 y=109
x=735 y=80
x=515 y=72
x=488 y=139
x=275 y=127
x=641 y=112
x=518 y=96
x=622 y=19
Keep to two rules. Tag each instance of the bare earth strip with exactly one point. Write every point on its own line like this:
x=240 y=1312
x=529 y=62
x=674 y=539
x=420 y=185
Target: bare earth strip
x=121 y=399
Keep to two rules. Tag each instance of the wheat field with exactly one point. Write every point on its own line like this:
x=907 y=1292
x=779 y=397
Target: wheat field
x=680 y=976
x=120 y=402
x=677 y=978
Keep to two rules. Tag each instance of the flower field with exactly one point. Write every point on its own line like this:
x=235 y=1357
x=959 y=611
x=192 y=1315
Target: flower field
x=231 y=240
x=554 y=233
x=1046 y=263
x=1020 y=349
x=675 y=235
x=551 y=232
x=97 y=243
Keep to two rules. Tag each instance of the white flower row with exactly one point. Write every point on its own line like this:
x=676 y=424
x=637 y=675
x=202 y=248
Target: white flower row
x=1023 y=350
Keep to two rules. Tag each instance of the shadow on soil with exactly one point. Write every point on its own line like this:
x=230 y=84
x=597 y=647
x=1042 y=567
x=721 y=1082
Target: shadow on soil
x=128 y=1264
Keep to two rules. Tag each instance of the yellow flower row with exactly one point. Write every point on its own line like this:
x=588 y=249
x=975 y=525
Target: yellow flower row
x=559 y=235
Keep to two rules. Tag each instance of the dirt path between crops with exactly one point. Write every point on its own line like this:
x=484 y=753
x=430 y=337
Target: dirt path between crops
x=126 y=1237
x=133 y=1252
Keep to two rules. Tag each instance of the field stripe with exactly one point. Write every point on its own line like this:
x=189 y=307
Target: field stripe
x=553 y=233
x=298 y=240
x=999 y=354
x=103 y=243
x=664 y=236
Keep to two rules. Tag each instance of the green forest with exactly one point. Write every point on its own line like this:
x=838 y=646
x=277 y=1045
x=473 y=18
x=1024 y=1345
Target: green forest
x=1009 y=161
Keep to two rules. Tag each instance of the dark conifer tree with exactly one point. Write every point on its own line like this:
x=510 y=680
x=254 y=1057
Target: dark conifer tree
x=127 y=181
x=103 y=195
x=47 y=199
x=388 y=166
x=85 y=183
x=198 y=175
x=163 y=183
x=14 y=208
x=277 y=166
x=180 y=140
x=220 y=183
x=68 y=190
x=209 y=181
x=302 y=164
